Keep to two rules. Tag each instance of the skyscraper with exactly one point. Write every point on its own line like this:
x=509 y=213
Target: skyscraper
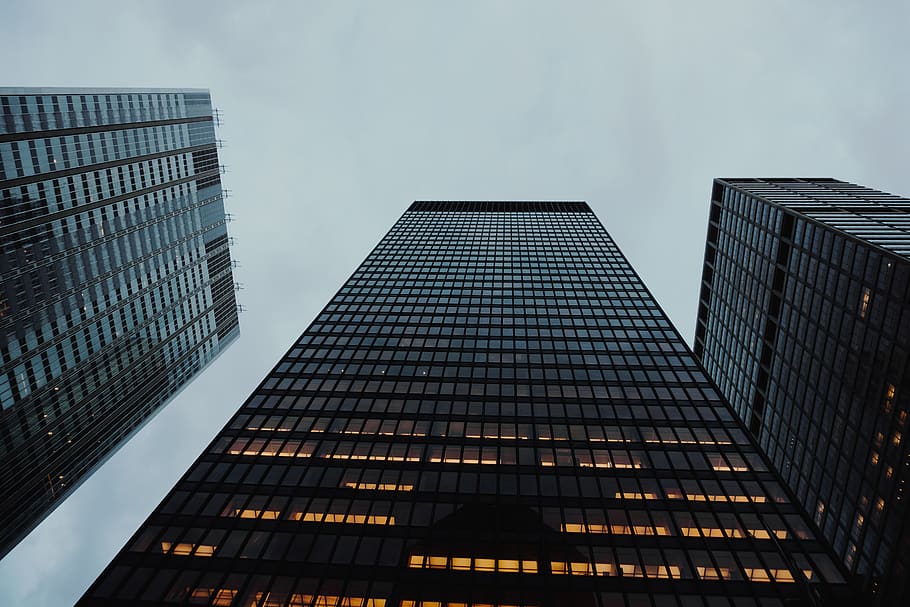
x=115 y=277
x=804 y=325
x=491 y=411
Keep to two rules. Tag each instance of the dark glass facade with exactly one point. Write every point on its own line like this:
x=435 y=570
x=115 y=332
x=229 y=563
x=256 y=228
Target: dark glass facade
x=492 y=410
x=115 y=277
x=804 y=325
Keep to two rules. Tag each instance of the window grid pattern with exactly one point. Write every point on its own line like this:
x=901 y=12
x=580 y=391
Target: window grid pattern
x=115 y=277
x=491 y=411
x=803 y=326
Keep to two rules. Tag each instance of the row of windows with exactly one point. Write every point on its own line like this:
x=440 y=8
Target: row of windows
x=435 y=453
x=496 y=428
x=71 y=192
x=49 y=154
x=625 y=339
x=25 y=113
x=625 y=368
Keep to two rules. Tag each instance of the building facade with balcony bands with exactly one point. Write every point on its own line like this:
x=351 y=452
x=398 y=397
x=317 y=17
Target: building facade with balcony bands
x=492 y=410
x=116 y=285
x=804 y=325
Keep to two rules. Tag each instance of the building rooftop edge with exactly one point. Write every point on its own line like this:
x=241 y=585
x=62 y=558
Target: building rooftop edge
x=62 y=90
x=754 y=179
x=504 y=201
x=500 y=206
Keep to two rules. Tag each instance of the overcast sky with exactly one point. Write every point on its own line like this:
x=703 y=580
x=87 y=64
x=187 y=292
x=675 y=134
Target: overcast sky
x=338 y=115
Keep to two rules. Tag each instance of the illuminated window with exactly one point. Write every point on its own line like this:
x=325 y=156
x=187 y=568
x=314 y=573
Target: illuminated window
x=348 y=519
x=781 y=574
x=251 y=513
x=616 y=529
x=412 y=603
x=571 y=568
x=864 y=306
x=634 y=495
x=850 y=555
x=378 y=486
x=319 y=600
x=326 y=600
x=718 y=463
x=889 y=398
x=712 y=573
x=219 y=597
x=467 y=563
x=186 y=549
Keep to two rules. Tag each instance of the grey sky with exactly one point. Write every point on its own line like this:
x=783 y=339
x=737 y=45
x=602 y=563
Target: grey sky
x=340 y=114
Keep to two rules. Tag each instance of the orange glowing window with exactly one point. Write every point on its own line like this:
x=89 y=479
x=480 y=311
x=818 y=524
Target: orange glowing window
x=782 y=575
x=325 y=600
x=616 y=529
x=467 y=563
x=219 y=597
x=634 y=495
x=252 y=513
x=186 y=549
x=289 y=449
x=889 y=398
x=585 y=568
x=864 y=306
x=349 y=519
x=509 y=565
x=415 y=603
x=757 y=574
x=713 y=573
x=379 y=486
x=718 y=463
x=764 y=534
x=602 y=459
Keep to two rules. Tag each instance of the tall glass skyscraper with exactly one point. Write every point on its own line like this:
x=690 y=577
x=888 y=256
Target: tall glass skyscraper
x=115 y=277
x=491 y=411
x=804 y=325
